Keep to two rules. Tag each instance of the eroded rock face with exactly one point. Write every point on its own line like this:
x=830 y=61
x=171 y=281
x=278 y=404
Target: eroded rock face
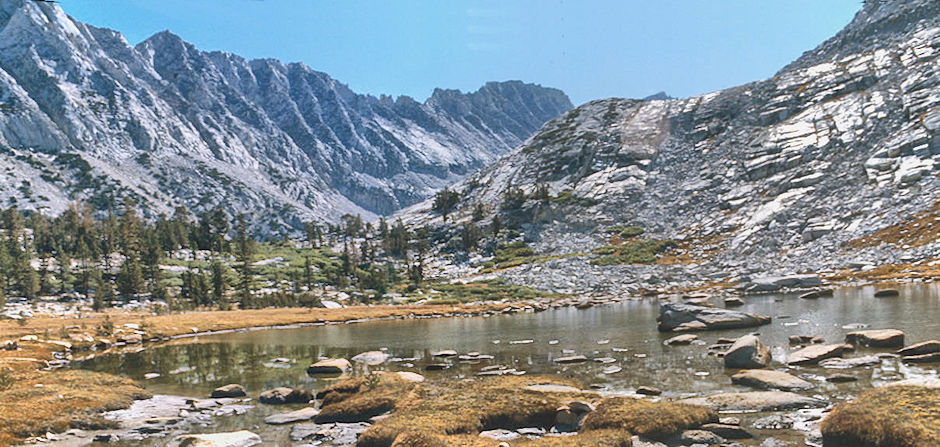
x=747 y=352
x=679 y=317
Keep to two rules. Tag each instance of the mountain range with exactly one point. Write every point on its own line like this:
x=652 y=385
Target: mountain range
x=84 y=116
x=834 y=162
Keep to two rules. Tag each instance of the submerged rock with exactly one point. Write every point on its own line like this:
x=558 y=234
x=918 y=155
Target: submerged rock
x=747 y=352
x=837 y=363
x=241 y=438
x=679 y=317
x=885 y=293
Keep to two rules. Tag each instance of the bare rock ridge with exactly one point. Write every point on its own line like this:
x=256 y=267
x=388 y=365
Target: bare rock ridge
x=85 y=115
x=784 y=175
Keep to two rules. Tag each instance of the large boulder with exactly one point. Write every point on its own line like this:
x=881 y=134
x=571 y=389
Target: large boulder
x=329 y=366
x=767 y=379
x=813 y=354
x=747 y=352
x=230 y=390
x=881 y=338
x=679 y=317
x=756 y=401
x=241 y=438
x=284 y=395
x=774 y=283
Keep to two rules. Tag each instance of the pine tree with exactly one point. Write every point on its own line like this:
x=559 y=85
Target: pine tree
x=218 y=285
x=243 y=251
x=308 y=274
x=130 y=280
x=65 y=270
x=104 y=293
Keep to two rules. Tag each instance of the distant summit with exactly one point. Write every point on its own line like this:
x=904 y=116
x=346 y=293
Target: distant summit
x=661 y=96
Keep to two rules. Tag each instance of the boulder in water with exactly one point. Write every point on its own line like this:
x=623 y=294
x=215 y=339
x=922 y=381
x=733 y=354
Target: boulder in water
x=679 y=317
x=747 y=352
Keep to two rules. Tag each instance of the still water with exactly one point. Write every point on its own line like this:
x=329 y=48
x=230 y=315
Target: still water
x=625 y=332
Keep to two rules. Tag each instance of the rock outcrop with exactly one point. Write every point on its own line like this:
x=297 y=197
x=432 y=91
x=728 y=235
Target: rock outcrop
x=744 y=176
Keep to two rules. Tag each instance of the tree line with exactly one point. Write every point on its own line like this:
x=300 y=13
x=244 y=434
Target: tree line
x=116 y=257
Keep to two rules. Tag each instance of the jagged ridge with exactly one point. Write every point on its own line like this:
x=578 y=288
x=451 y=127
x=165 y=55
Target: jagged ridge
x=86 y=116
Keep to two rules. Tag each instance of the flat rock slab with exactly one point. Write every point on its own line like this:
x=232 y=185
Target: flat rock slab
x=329 y=366
x=756 y=401
x=923 y=358
x=767 y=379
x=813 y=354
x=926 y=347
x=681 y=317
x=304 y=414
x=856 y=362
x=242 y=438
x=552 y=388
x=571 y=359
x=880 y=338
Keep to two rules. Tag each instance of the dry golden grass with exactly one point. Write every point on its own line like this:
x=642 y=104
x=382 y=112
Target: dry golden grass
x=468 y=407
x=921 y=229
x=66 y=399
x=693 y=249
x=656 y=420
x=354 y=400
x=888 y=273
x=86 y=393
x=453 y=413
x=202 y=321
x=897 y=416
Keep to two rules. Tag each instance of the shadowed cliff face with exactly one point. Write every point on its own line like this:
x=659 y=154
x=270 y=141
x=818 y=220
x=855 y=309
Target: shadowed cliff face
x=778 y=174
x=171 y=125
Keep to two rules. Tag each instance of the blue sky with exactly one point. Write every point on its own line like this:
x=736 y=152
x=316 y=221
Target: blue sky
x=589 y=48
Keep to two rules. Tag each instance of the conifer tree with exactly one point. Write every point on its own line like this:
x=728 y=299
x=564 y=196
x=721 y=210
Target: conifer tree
x=243 y=251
